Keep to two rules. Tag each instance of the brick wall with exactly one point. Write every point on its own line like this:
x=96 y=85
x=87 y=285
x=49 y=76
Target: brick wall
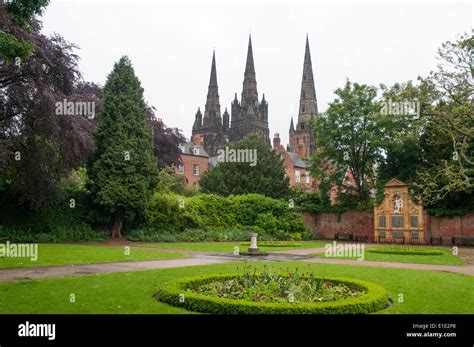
x=447 y=227
x=325 y=225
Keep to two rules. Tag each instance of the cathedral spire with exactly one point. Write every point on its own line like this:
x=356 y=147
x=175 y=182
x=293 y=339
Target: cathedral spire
x=213 y=80
x=249 y=90
x=308 y=104
x=212 y=111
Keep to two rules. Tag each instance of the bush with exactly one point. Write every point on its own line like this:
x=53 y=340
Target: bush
x=173 y=293
x=273 y=244
x=171 y=213
x=406 y=251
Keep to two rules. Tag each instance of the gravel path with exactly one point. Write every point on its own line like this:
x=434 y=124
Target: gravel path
x=209 y=258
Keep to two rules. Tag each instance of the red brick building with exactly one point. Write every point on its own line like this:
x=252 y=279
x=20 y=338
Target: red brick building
x=194 y=162
x=297 y=170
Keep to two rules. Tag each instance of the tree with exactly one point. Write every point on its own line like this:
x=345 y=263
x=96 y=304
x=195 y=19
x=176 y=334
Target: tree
x=166 y=141
x=122 y=171
x=348 y=140
x=266 y=177
x=29 y=127
x=14 y=42
x=451 y=124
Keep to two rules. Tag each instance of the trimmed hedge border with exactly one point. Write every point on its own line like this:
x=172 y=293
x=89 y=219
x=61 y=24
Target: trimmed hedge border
x=273 y=244
x=178 y=293
x=406 y=252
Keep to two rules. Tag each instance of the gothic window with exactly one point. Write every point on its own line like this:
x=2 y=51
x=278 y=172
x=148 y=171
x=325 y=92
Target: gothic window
x=302 y=108
x=304 y=77
x=304 y=94
x=397 y=221
x=196 y=169
x=382 y=221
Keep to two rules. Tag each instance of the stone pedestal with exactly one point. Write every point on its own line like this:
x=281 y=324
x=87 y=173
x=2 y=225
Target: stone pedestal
x=253 y=243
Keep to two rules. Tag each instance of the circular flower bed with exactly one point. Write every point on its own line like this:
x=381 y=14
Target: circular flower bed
x=406 y=251
x=273 y=294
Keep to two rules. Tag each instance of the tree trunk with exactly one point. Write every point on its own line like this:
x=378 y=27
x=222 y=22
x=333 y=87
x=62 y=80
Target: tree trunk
x=116 y=228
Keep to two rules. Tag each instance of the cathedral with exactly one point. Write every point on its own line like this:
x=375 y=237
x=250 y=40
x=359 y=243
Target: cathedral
x=249 y=116
x=213 y=130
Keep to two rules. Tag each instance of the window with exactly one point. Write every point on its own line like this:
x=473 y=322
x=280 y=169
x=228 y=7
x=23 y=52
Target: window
x=302 y=108
x=397 y=221
x=181 y=168
x=297 y=176
x=196 y=169
x=306 y=178
x=414 y=221
x=382 y=221
x=397 y=235
x=414 y=235
x=382 y=234
x=181 y=148
x=196 y=150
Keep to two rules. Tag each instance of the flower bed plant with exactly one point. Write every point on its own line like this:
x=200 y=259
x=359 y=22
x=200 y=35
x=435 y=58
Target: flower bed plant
x=277 y=293
x=406 y=251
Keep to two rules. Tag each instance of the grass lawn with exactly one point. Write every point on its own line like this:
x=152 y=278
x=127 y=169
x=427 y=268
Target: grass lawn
x=62 y=254
x=446 y=258
x=226 y=246
x=131 y=292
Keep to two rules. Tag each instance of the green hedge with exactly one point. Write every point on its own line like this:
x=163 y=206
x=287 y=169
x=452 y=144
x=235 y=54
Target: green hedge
x=273 y=244
x=386 y=250
x=175 y=213
x=375 y=299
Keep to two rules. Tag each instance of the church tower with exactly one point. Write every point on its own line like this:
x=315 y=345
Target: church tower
x=301 y=137
x=249 y=116
x=211 y=128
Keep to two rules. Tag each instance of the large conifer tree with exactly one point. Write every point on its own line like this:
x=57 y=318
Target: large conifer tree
x=122 y=170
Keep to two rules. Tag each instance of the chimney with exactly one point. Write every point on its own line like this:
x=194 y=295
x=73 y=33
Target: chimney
x=197 y=139
x=276 y=141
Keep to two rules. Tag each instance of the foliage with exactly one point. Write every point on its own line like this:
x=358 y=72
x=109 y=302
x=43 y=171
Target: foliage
x=406 y=251
x=170 y=212
x=30 y=87
x=451 y=122
x=122 y=171
x=373 y=299
x=166 y=141
x=273 y=244
x=348 y=138
x=266 y=177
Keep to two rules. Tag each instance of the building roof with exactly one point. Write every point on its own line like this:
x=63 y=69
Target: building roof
x=395 y=183
x=297 y=161
x=188 y=149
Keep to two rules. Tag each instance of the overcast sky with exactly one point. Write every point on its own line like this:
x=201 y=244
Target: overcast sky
x=171 y=43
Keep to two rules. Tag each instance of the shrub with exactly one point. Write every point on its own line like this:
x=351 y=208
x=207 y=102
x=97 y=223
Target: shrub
x=273 y=244
x=180 y=293
x=269 y=217
x=406 y=251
